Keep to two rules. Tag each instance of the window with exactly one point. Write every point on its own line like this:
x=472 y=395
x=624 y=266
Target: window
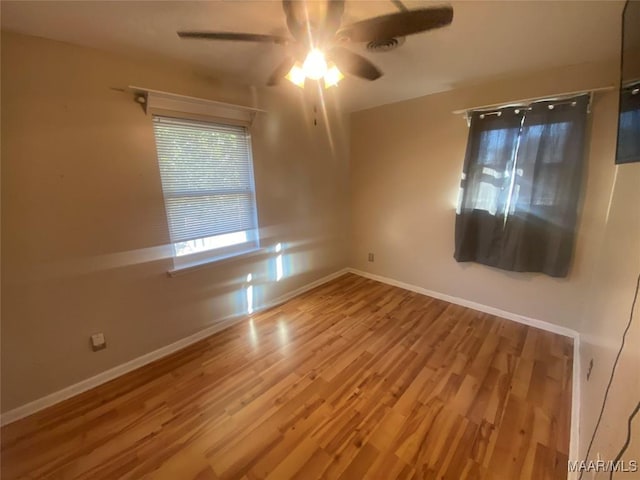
x=629 y=125
x=207 y=181
x=520 y=186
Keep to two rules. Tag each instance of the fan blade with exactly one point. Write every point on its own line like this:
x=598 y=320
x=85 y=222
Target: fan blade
x=282 y=69
x=354 y=64
x=335 y=9
x=302 y=27
x=241 y=37
x=398 y=24
x=295 y=27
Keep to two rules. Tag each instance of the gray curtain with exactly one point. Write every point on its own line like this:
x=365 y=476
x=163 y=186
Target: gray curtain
x=520 y=187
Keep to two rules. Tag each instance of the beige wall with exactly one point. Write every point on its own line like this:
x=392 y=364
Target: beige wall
x=607 y=310
x=406 y=164
x=85 y=235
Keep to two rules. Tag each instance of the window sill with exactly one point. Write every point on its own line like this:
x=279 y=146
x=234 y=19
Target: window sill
x=199 y=264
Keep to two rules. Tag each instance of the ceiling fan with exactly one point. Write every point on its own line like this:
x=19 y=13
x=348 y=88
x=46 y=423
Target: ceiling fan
x=316 y=48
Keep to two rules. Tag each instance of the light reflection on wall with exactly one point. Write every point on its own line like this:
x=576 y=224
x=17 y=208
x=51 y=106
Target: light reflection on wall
x=297 y=263
x=256 y=290
x=249 y=294
x=279 y=262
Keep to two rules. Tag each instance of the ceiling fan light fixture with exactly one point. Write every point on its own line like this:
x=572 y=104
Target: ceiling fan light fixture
x=296 y=75
x=315 y=65
x=332 y=77
x=381 y=33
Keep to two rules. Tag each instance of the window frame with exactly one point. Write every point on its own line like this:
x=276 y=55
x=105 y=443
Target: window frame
x=214 y=255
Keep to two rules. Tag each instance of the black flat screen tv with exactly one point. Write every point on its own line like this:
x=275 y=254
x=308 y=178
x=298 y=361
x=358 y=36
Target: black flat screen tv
x=628 y=148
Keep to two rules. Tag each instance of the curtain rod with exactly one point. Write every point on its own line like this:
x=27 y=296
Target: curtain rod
x=146 y=91
x=526 y=101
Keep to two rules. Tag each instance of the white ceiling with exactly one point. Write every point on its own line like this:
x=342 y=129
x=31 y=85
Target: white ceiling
x=486 y=39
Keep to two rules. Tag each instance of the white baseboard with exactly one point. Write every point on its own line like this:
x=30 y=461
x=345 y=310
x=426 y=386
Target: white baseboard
x=108 y=375
x=541 y=324
x=532 y=322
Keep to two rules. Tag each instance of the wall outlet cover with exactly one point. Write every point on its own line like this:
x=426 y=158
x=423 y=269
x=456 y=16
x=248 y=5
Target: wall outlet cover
x=98 y=342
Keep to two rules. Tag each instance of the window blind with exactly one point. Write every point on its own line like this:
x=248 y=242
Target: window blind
x=207 y=178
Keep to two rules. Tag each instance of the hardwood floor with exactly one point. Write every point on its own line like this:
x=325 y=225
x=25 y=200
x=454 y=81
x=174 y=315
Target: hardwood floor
x=355 y=379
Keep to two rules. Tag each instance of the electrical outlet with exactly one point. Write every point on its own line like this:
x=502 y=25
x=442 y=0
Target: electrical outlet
x=98 y=342
x=371 y=257
x=589 y=369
